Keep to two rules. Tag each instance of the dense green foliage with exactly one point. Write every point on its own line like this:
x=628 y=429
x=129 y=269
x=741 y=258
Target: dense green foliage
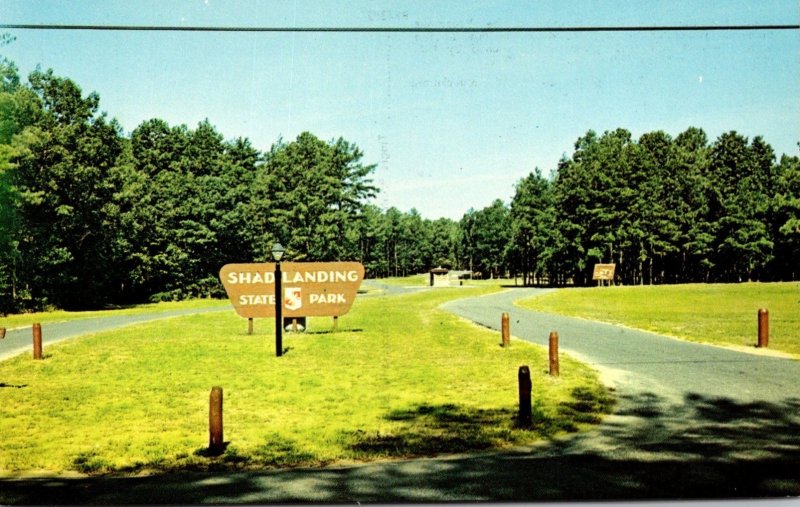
x=91 y=216
x=664 y=210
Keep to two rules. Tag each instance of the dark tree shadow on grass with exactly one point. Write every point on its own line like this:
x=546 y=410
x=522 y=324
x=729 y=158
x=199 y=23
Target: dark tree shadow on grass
x=341 y=330
x=429 y=430
x=3 y=385
x=650 y=448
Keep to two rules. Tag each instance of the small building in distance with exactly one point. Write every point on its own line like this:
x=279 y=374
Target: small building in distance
x=439 y=277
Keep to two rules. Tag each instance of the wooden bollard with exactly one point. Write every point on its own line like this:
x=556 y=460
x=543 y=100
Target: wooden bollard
x=763 y=328
x=335 y=323
x=2 y=333
x=525 y=386
x=250 y=325
x=215 y=445
x=37 y=341
x=505 y=330
x=553 y=354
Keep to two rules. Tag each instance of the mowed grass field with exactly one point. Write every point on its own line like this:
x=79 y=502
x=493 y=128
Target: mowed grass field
x=721 y=314
x=400 y=378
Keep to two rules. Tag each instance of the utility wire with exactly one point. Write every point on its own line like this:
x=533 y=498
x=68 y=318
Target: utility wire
x=506 y=29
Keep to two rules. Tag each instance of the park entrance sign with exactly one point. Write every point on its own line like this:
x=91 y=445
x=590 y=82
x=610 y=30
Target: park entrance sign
x=309 y=288
x=604 y=272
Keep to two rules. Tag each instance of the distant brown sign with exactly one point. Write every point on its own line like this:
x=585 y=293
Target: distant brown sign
x=309 y=288
x=604 y=271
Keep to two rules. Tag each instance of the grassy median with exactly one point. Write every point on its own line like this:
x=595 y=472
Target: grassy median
x=400 y=378
x=721 y=314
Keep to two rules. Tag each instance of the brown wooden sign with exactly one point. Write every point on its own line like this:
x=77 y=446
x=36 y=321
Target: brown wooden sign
x=604 y=271
x=309 y=288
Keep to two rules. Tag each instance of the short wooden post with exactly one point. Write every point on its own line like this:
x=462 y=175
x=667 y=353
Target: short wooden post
x=505 y=330
x=250 y=325
x=215 y=445
x=553 y=354
x=335 y=323
x=763 y=328
x=2 y=333
x=294 y=325
x=37 y=341
x=525 y=386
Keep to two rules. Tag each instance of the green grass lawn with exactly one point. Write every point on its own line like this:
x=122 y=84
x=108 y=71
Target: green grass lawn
x=722 y=314
x=26 y=319
x=401 y=378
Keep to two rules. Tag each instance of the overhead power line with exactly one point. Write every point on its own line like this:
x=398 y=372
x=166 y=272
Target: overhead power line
x=323 y=29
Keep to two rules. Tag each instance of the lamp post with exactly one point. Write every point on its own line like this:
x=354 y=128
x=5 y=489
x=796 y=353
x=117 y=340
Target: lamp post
x=277 y=254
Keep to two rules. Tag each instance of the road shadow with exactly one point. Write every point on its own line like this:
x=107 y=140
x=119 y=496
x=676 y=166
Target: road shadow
x=697 y=447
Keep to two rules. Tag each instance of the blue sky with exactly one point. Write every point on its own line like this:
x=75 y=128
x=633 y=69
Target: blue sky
x=453 y=120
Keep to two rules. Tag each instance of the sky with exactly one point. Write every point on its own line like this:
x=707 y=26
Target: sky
x=452 y=120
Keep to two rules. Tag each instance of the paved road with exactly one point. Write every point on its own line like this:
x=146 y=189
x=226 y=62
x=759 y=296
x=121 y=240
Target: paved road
x=699 y=418
x=20 y=340
x=639 y=361
x=692 y=421
x=387 y=289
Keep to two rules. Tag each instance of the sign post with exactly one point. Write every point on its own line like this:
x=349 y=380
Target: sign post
x=278 y=312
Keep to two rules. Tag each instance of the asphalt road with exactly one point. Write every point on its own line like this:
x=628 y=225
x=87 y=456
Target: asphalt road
x=638 y=361
x=697 y=419
x=20 y=340
x=387 y=289
x=692 y=422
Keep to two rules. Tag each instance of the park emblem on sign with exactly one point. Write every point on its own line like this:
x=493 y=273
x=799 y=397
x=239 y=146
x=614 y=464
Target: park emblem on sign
x=309 y=288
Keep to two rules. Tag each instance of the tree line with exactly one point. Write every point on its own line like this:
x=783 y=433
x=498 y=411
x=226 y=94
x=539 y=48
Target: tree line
x=91 y=216
x=663 y=210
